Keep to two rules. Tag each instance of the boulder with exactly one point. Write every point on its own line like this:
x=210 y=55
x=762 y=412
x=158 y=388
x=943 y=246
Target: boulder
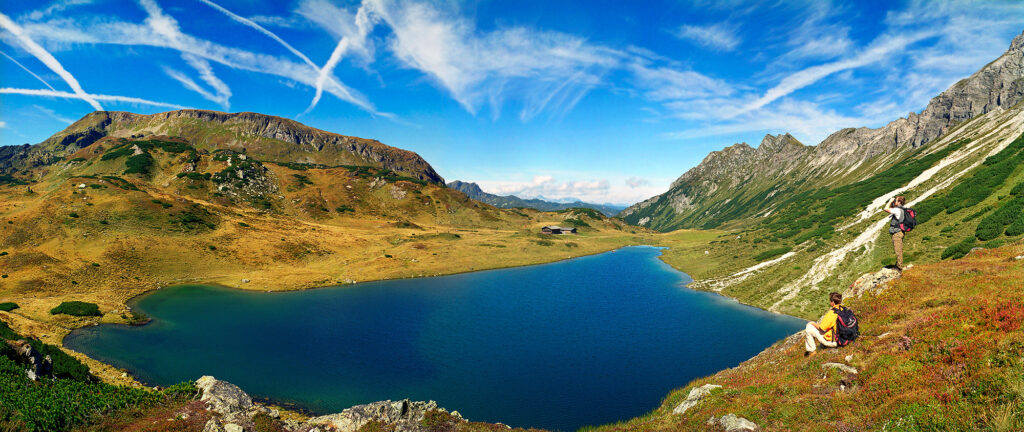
x=845 y=368
x=400 y=416
x=733 y=423
x=212 y=426
x=223 y=397
x=873 y=283
x=696 y=395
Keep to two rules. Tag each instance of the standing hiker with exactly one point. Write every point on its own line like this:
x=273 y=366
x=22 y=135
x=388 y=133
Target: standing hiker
x=897 y=215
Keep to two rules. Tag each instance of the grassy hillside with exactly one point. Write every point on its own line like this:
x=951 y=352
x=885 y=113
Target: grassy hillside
x=940 y=350
x=964 y=186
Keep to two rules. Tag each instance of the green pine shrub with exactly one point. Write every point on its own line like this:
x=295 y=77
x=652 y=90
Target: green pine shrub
x=77 y=308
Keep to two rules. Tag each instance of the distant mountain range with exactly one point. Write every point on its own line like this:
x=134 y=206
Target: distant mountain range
x=511 y=201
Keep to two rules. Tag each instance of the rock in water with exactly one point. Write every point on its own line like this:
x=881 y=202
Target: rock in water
x=223 y=397
x=696 y=395
x=873 y=283
x=402 y=415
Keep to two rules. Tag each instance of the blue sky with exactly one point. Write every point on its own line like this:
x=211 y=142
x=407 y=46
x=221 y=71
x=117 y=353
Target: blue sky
x=607 y=101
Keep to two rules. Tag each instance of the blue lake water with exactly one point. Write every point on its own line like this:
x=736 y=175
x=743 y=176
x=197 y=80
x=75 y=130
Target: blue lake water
x=585 y=341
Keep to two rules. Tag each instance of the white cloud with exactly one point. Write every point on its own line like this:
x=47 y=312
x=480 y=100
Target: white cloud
x=541 y=70
x=52 y=114
x=356 y=40
x=57 y=6
x=67 y=95
x=662 y=83
x=585 y=187
x=3 y=124
x=720 y=36
x=44 y=56
x=635 y=182
x=29 y=71
x=879 y=50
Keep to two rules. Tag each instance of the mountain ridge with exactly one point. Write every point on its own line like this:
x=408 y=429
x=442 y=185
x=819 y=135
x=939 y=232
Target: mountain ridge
x=262 y=136
x=696 y=198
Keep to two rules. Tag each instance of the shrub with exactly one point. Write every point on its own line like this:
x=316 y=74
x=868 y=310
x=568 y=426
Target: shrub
x=77 y=308
x=73 y=215
x=8 y=306
x=302 y=179
x=579 y=223
x=3 y=253
x=959 y=250
x=1017 y=227
x=243 y=225
x=545 y=242
x=141 y=163
x=96 y=186
x=163 y=204
x=195 y=176
x=771 y=253
x=344 y=208
x=993 y=225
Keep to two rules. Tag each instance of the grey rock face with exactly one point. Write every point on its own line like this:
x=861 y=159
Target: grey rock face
x=696 y=395
x=38 y=364
x=733 y=423
x=223 y=397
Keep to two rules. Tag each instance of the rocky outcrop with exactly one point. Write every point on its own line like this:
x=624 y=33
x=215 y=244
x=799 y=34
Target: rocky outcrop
x=733 y=423
x=399 y=416
x=38 y=364
x=694 y=397
x=223 y=397
x=234 y=411
x=742 y=182
x=873 y=283
x=261 y=136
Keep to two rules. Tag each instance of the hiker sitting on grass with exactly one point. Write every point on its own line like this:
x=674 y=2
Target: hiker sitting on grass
x=824 y=331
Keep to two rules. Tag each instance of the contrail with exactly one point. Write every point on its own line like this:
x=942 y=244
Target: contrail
x=29 y=71
x=69 y=95
x=33 y=48
x=325 y=72
x=261 y=29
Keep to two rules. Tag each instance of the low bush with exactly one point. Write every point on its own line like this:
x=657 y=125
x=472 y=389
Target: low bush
x=73 y=215
x=959 y=250
x=141 y=163
x=77 y=308
x=993 y=225
x=579 y=223
x=8 y=306
x=344 y=208
x=302 y=179
x=195 y=176
x=771 y=253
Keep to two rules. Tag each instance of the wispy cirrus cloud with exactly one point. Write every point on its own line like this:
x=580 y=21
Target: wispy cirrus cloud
x=98 y=97
x=221 y=94
x=52 y=114
x=719 y=36
x=57 y=6
x=44 y=56
x=250 y=23
x=535 y=68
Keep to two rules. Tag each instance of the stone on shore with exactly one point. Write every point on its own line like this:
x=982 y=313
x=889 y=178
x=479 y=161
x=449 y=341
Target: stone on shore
x=223 y=397
x=696 y=395
x=733 y=423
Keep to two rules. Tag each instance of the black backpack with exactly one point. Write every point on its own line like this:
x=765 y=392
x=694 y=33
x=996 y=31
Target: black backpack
x=847 y=328
x=909 y=219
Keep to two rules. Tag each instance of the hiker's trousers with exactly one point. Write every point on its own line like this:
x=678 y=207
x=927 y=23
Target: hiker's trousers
x=813 y=337
x=897 y=246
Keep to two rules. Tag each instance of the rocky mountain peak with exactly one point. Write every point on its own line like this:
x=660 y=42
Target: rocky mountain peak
x=777 y=143
x=1018 y=42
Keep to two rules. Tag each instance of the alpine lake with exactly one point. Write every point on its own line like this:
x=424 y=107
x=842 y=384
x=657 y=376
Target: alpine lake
x=585 y=341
